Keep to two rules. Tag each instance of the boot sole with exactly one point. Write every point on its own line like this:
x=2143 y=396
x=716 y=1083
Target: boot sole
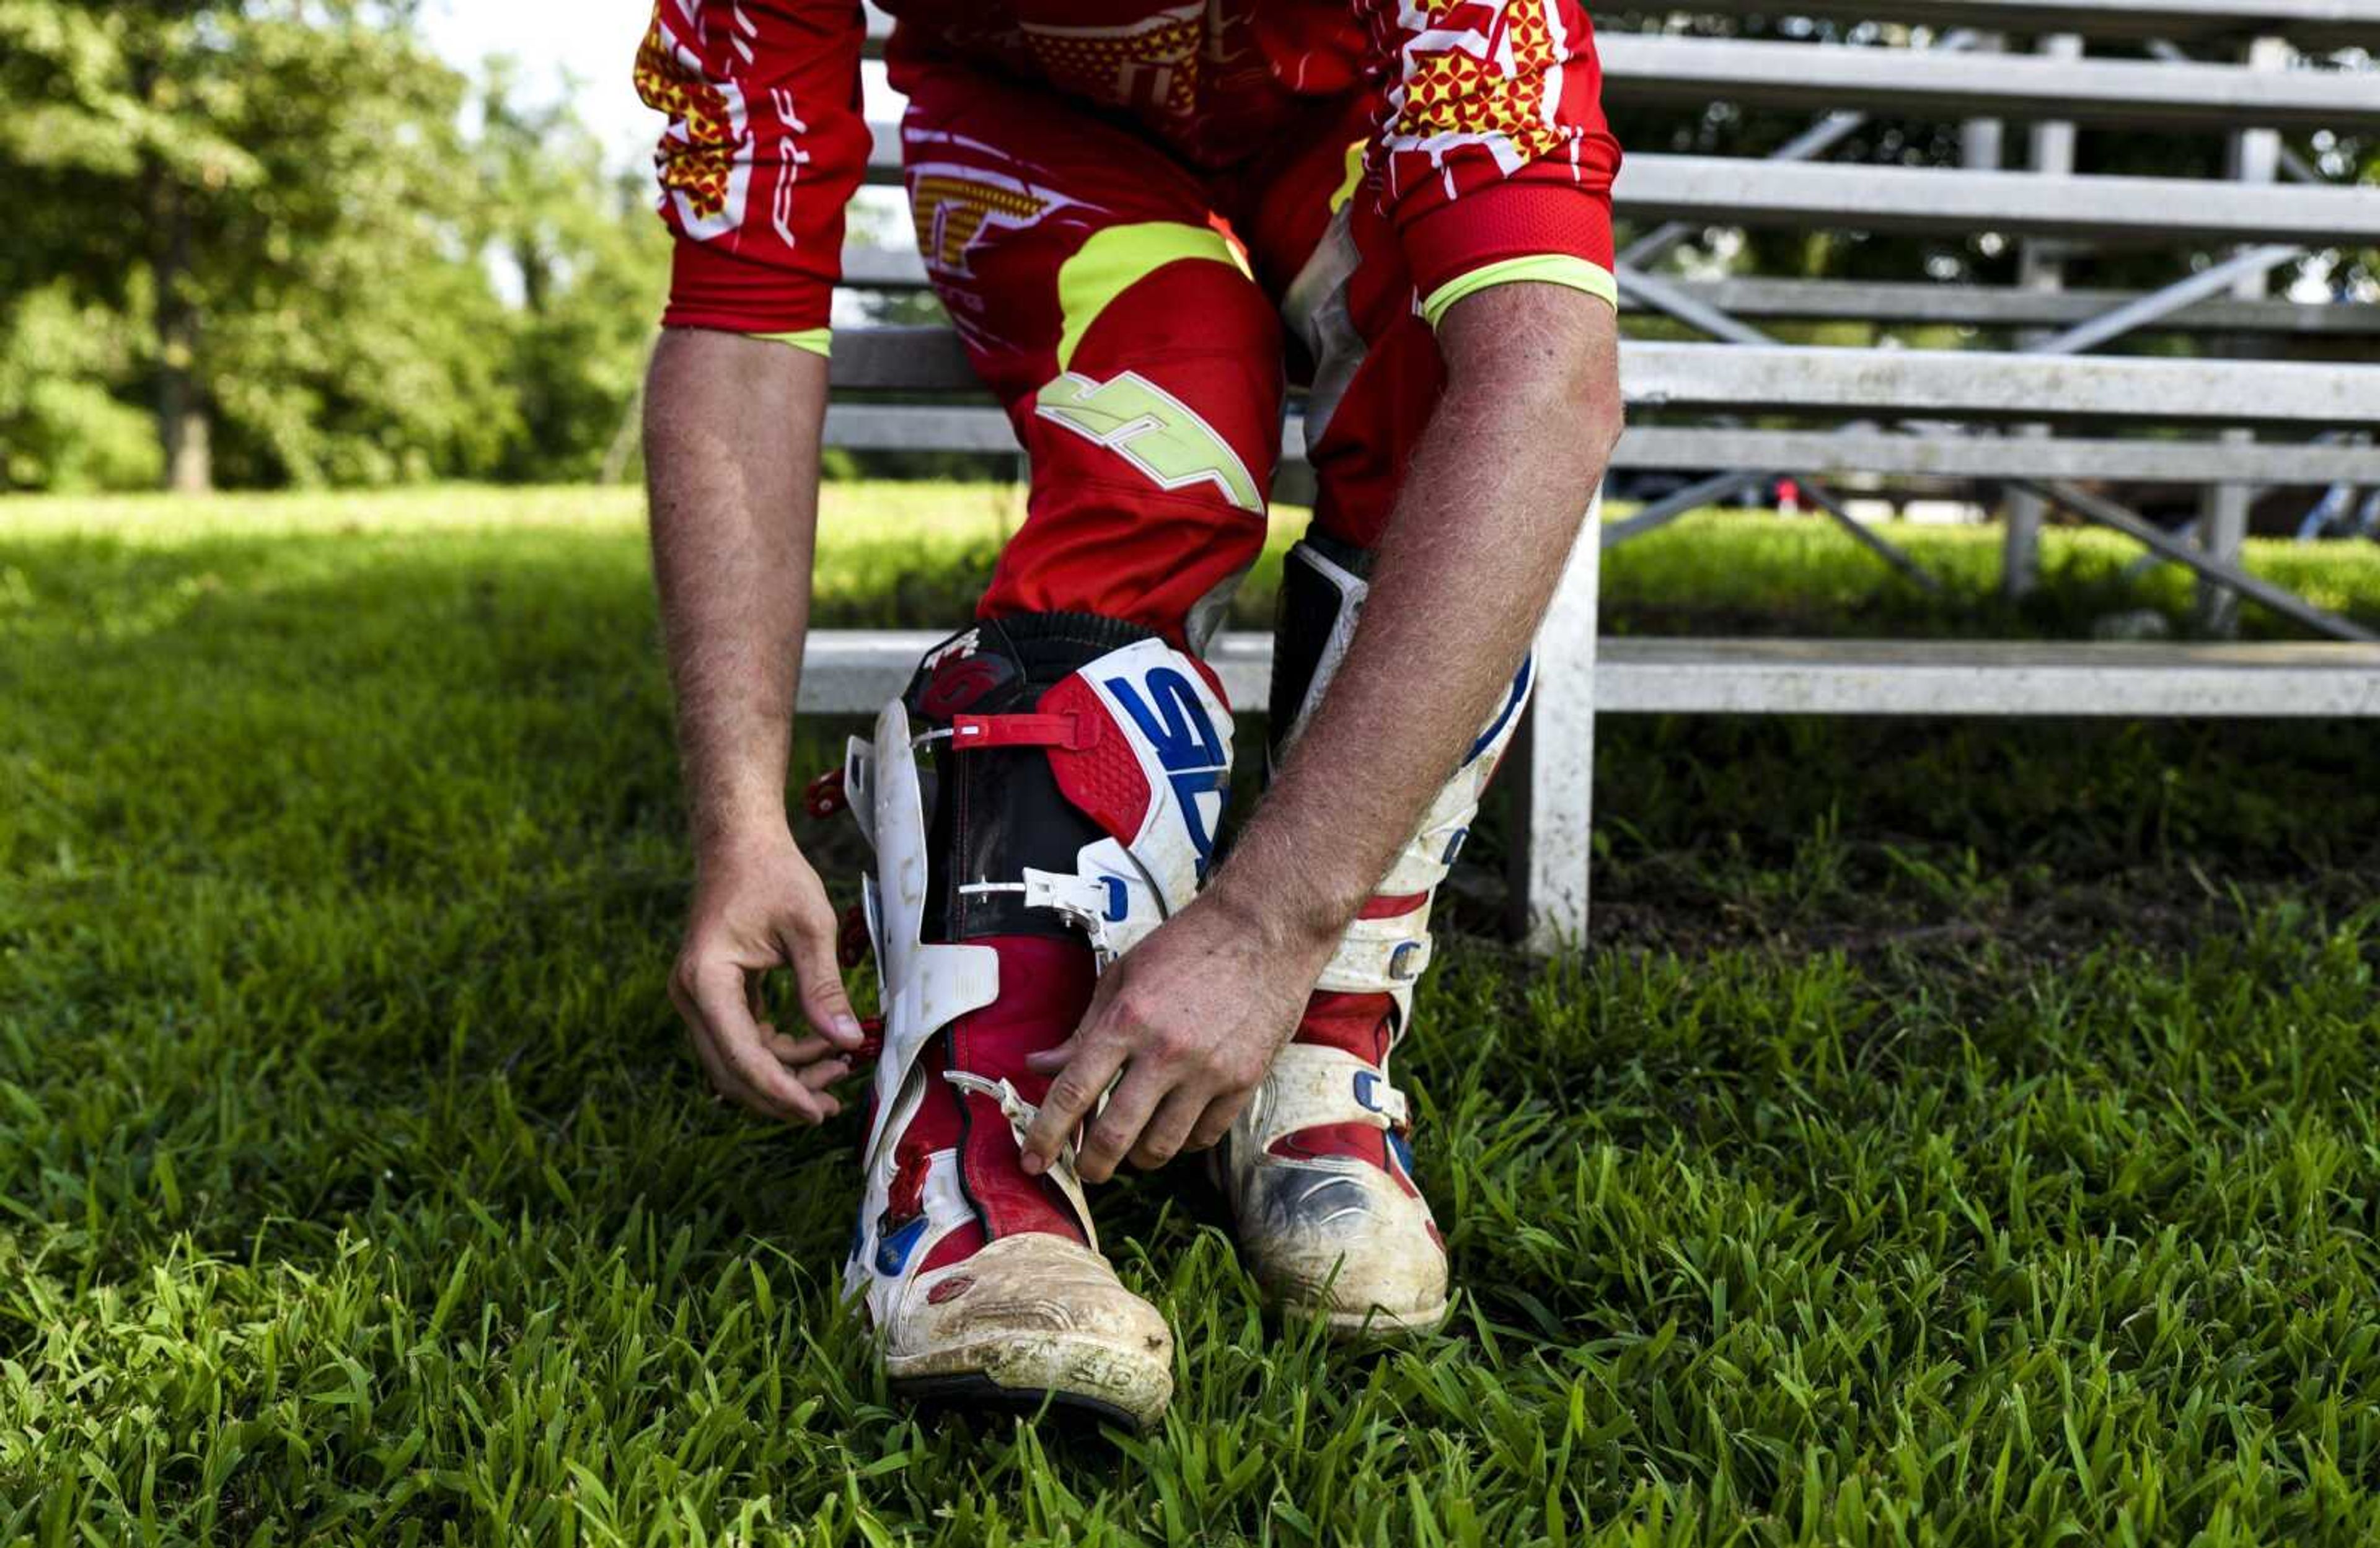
x=1079 y=1378
x=977 y=1390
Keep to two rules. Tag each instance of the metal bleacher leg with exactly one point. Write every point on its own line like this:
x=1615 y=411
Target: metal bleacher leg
x=1553 y=780
x=1981 y=139
x=2223 y=508
x=2039 y=267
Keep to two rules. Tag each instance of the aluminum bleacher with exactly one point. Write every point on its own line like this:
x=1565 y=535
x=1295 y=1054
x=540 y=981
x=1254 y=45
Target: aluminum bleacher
x=2250 y=392
x=1959 y=84
x=2307 y=23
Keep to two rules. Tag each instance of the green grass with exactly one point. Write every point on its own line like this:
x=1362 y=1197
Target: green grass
x=1954 y=1133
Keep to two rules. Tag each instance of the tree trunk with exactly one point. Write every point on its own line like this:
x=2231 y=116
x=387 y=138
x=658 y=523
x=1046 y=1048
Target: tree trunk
x=183 y=430
x=536 y=275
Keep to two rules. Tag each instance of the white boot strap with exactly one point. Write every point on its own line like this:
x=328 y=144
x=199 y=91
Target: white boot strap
x=1310 y=1086
x=1379 y=955
x=1020 y=1115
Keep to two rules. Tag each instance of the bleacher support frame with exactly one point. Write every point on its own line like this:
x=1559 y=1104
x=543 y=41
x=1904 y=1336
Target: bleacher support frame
x=2036 y=416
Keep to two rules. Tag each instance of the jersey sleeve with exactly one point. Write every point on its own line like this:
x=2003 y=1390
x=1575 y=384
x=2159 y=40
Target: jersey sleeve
x=764 y=147
x=1494 y=161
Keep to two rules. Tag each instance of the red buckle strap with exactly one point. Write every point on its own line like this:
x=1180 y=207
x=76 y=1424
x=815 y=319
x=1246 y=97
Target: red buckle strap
x=1073 y=733
x=824 y=796
x=851 y=942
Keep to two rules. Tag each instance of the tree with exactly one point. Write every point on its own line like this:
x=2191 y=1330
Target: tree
x=277 y=194
x=590 y=265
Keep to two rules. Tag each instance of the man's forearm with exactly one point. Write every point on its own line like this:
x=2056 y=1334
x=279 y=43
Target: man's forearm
x=732 y=452
x=1490 y=508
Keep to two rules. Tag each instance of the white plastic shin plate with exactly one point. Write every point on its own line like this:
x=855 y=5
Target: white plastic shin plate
x=859 y=780
x=925 y=986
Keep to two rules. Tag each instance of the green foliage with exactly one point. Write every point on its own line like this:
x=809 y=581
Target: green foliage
x=60 y=426
x=1954 y=1133
x=274 y=211
x=590 y=261
x=277 y=242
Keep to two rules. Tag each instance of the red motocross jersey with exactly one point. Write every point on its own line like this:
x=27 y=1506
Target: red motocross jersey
x=1488 y=142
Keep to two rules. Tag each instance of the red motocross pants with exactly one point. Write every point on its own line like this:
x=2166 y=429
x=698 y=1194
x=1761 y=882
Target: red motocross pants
x=1129 y=314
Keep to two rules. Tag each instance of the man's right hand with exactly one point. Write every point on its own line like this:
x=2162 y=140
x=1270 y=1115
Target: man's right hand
x=731 y=451
x=757 y=907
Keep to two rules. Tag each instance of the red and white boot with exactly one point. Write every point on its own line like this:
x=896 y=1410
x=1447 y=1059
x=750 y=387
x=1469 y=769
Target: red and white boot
x=1074 y=773
x=1317 y=1168
x=984 y=1283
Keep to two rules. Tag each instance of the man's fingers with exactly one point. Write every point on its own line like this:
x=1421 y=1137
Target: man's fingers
x=1215 y=1121
x=824 y=1074
x=811 y=947
x=1167 y=1129
x=716 y=990
x=1119 y=1125
x=778 y=1087
x=713 y=992
x=1049 y=1061
x=1072 y=1094
x=722 y=1079
x=797 y=1052
x=701 y=1035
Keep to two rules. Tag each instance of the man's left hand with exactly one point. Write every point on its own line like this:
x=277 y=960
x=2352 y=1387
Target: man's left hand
x=1191 y=1018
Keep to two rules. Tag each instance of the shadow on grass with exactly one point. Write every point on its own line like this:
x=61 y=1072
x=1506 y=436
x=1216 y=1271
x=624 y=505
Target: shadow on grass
x=1926 y=1083
x=396 y=832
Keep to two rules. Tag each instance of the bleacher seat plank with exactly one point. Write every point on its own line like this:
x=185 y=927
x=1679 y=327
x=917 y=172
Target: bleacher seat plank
x=1848 y=453
x=1945 y=383
x=852 y=672
x=1987 y=677
x=1741 y=191
x=2319 y=23
x=1729 y=190
x=1923 y=304
x=2312 y=23
x=869 y=267
x=1937 y=383
x=1913 y=82
x=1825 y=454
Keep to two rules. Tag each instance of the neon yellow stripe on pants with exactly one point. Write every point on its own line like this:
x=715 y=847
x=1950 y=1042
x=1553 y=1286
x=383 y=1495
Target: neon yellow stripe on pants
x=1116 y=259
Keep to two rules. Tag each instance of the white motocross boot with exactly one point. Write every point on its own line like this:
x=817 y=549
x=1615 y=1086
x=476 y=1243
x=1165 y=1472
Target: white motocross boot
x=1074 y=771
x=1318 y=1167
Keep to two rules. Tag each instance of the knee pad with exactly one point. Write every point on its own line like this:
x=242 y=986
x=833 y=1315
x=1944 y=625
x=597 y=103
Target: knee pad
x=1324 y=584
x=1053 y=774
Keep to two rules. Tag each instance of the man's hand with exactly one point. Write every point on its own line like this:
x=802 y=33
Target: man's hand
x=1192 y=1018
x=756 y=908
x=1491 y=506
x=735 y=517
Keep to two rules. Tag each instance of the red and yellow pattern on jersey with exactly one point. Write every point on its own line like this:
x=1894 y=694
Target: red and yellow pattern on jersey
x=1489 y=145
x=1481 y=73
x=1149 y=63
x=695 y=161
